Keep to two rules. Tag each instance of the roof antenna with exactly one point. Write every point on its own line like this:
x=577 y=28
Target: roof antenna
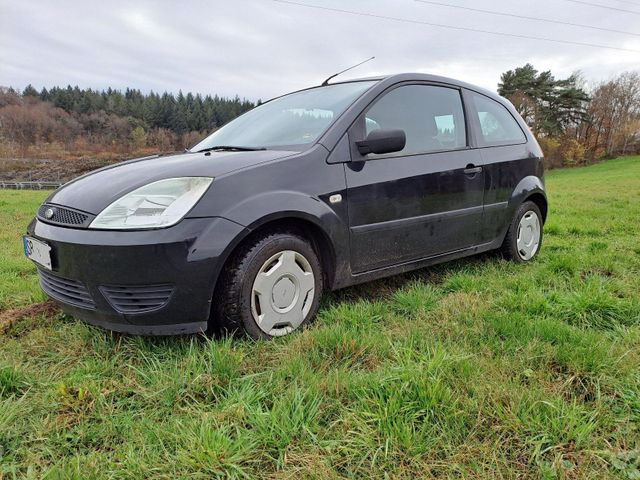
x=326 y=82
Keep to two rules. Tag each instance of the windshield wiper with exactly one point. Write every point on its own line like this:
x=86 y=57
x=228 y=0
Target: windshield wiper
x=230 y=148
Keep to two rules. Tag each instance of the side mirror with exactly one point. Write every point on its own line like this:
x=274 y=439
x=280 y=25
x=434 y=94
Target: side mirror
x=384 y=140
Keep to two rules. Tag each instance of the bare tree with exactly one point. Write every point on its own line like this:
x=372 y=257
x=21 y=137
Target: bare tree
x=613 y=117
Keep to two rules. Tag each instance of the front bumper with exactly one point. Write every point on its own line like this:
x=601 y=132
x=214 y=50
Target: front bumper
x=153 y=282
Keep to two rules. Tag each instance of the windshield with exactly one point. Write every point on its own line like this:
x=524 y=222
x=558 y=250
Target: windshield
x=294 y=119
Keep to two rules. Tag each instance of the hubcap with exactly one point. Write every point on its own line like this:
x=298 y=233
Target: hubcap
x=282 y=293
x=528 y=235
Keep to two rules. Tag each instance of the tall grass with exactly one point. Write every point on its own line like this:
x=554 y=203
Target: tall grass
x=473 y=369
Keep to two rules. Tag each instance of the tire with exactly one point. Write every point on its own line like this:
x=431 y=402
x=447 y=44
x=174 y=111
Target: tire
x=523 y=240
x=270 y=288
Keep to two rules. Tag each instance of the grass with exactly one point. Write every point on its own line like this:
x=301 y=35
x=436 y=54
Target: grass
x=473 y=369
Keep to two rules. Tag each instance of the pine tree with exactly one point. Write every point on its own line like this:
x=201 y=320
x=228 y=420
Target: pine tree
x=29 y=91
x=548 y=105
x=180 y=114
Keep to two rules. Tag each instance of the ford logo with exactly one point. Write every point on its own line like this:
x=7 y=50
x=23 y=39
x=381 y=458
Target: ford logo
x=49 y=213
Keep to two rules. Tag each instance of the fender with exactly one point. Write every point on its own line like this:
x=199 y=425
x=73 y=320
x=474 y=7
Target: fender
x=526 y=187
x=259 y=210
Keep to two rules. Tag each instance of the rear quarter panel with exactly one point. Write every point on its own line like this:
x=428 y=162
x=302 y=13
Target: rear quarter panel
x=512 y=173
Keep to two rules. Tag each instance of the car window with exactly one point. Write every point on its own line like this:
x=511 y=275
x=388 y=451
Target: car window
x=497 y=125
x=295 y=119
x=431 y=117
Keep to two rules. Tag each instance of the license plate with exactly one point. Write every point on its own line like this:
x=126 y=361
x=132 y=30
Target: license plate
x=37 y=251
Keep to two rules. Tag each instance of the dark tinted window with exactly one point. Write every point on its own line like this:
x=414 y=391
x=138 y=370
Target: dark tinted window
x=497 y=125
x=431 y=117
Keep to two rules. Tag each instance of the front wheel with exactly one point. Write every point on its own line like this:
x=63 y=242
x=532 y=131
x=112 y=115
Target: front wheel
x=271 y=287
x=524 y=236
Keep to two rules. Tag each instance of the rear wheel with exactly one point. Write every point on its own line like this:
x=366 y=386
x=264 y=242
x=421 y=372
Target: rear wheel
x=271 y=287
x=524 y=236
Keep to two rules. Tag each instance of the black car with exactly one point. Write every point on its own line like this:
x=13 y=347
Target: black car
x=319 y=189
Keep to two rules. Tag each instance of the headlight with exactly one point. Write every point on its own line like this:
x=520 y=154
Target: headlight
x=158 y=204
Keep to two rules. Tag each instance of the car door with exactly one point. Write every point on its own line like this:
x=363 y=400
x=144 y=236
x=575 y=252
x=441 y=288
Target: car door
x=423 y=201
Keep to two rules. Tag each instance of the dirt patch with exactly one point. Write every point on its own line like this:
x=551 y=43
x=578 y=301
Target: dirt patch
x=9 y=317
x=602 y=272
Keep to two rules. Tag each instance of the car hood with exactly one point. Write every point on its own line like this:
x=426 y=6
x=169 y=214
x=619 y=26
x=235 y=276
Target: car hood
x=94 y=191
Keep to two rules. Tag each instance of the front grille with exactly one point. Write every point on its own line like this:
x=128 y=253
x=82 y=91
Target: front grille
x=62 y=215
x=67 y=291
x=137 y=298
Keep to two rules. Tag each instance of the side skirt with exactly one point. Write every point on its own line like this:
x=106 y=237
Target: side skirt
x=416 y=264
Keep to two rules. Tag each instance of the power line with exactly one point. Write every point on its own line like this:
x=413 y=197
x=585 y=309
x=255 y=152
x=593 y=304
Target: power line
x=454 y=27
x=494 y=12
x=629 y=3
x=603 y=6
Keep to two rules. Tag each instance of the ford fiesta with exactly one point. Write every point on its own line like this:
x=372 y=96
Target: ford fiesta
x=312 y=191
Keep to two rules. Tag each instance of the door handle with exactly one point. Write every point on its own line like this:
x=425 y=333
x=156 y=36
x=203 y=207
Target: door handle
x=471 y=169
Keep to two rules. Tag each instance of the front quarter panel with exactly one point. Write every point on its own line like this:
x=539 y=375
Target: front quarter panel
x=295 y=187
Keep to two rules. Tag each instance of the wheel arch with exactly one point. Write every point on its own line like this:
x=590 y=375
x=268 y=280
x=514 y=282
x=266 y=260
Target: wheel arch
x=301 y=223
x=305 y=225
x=541 y=201
x=529 y=188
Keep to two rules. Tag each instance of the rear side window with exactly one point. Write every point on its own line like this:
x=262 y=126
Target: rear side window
x=431 y=117
x=497 y=125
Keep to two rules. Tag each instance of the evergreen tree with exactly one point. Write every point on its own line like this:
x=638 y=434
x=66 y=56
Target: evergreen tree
x=548 y=105
x=29 y=91
x=179 y=114
x=152 y=110
x=44 y=95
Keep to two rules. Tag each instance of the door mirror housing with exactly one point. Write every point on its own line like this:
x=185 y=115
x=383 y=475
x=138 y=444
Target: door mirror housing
x=384 y=140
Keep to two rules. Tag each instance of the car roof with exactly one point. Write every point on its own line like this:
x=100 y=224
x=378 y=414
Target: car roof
x=423 y=77
x=388 y=80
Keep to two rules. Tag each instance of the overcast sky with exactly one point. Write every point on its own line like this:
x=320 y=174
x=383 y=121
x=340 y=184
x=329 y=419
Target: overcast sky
x=262 y=48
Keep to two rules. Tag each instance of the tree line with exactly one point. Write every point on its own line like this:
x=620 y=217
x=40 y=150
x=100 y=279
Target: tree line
x=573 y=123
x=84 y=121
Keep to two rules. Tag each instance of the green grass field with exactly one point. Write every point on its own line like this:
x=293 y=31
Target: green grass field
x=478 y=368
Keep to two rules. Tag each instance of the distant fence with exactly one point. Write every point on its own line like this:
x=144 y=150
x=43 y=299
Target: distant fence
x=30 y=185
